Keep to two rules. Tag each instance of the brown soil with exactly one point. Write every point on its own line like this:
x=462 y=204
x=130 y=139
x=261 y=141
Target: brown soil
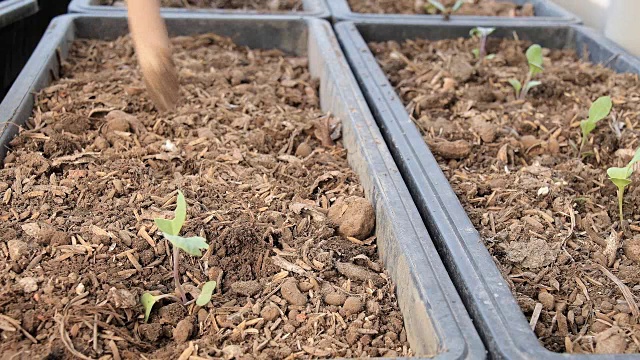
x=260 y=5
x=548 y=218
x=477 y=7
x=82 y=185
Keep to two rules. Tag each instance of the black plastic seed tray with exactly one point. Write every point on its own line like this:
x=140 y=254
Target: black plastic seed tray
x=22 y=23
x=437 y=323
x=311 y=8
x=496 y=314
x=14 y=10
x=545 y=11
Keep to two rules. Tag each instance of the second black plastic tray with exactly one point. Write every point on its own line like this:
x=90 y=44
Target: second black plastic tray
x=496 y=314
x=545 y=12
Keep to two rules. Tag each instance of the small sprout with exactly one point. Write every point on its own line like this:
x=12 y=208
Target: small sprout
x=192 y=245
x=482 y=33
x=205 y=295
x=443 y=9
x=620 y=178
x=148 y=301
x=599 y=110
x=534 y=59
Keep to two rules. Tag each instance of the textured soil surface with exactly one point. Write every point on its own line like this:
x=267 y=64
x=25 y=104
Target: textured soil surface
x=475 y=7
x=260 y=5
x=548 y=218
x=267 y=184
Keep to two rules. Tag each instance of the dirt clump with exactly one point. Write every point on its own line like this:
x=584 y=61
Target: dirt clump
x=354 y=217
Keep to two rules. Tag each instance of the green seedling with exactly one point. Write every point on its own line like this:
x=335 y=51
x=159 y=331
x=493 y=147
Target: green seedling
x=534 y=58
x=599 y=110
x=149 y=300
x=205 y=294
x=621 y=178
x=192 y=245
x=482 y=33
x=446 y=11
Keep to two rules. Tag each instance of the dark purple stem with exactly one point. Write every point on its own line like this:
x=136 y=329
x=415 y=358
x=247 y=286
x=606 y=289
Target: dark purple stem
x=483 y=45
x=176 y=273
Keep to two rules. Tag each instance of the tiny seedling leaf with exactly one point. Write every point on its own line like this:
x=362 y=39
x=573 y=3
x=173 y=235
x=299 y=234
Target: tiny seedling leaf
x=600 y=109
x=533 y=83
x=205 y=294
x=191 y=245
x=147 y=301
x=534 y=58
x=457 y=5
x=476 y=53
x=490 y=56
x=620 y=174
x=635 y=159
x=587 y=127
x=438 y=5
x=172 y=227
x=516 y=85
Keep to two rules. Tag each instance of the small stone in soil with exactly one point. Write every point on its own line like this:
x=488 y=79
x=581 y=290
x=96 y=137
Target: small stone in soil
x=269 y=312
x=335 y=298
x=354 y=217
x=292 y=294
x=246 y=288
x=355 y=272
x=352 y=305
x=611 y=341
x=17 y=249
x=29 y=284
x=631 y=249
x=183 y=330
x=122 y=298
x=303 y=150
x=457 y=150
x=547 y=300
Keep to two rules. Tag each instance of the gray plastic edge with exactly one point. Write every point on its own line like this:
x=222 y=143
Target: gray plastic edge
x=498 y=318
x=312 y=8
x=14 y=10
x=425 y=292
x=554 y=13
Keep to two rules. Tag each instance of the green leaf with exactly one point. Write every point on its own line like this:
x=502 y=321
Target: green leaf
x=438 y=5
x=600 y=108
x=191 y=245
x=532 y=84
x=534 y=57
x=474 y=32
x=147 y=301
x=490 y=56
x=636 y=158
x=172 y=227
x=476 y=53
x=516 y=85
x=457 y=5
x=616 y=173
x=587 y=127
x=205 y=294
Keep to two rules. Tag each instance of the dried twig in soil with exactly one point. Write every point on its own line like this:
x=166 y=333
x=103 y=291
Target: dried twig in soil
x=624 y=289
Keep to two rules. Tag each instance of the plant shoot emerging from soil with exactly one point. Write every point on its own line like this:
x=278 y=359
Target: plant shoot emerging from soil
x=482 y=33
x=446 y=11
x=192 y=245
x=621 y=178
x=599 y=110
x=534 y=59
